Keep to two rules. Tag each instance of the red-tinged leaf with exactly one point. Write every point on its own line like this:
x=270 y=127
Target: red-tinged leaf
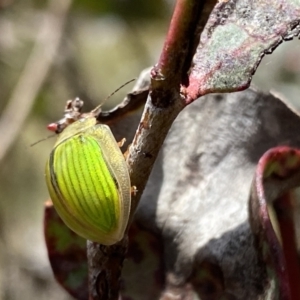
x=67 y=254
x=272 y=207
x=236 y=37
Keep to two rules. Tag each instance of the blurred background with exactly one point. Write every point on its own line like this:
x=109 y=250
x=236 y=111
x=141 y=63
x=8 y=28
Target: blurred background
x=54 y=50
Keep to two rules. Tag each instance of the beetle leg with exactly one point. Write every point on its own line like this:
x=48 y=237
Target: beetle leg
x=133 y=190
x=126 y=153
x=122 y=142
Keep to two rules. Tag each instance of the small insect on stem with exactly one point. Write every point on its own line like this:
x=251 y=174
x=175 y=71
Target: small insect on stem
x=87 y=176
x=72 y=112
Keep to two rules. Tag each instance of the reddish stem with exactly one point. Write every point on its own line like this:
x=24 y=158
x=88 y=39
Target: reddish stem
x=284 y=211
x=178 y=42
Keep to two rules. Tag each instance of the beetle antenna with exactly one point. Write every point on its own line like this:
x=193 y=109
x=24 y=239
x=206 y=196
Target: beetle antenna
x=97 y=107
x=44 y=139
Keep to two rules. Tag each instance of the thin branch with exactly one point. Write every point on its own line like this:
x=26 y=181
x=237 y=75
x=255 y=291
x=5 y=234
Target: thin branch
x=163 y=105
x=164 y=101
x=105 y=266
x=34 y=73
x=177 y=43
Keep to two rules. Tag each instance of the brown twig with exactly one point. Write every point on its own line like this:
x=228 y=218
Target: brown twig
x=105 y=266
x=34 y=73
x=163 y=105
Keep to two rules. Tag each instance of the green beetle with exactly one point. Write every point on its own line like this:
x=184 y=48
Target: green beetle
x=88 y=181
